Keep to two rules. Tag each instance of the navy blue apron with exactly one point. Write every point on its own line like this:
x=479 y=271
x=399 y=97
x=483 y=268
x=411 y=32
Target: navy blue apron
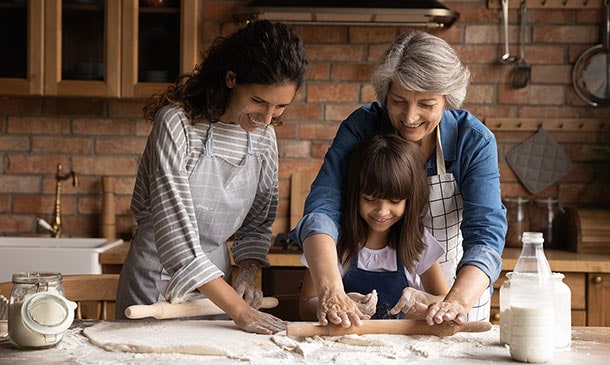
x=389 y=286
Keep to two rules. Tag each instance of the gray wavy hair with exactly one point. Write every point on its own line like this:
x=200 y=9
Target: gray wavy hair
x=422 y=62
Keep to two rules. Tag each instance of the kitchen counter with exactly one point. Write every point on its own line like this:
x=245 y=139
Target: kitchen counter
x=590 y=345
x=560 y=261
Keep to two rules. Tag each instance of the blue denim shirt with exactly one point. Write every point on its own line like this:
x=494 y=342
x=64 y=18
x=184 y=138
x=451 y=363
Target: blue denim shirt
x=471 y=155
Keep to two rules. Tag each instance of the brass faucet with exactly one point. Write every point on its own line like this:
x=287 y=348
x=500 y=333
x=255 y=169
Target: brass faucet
x=56 y=228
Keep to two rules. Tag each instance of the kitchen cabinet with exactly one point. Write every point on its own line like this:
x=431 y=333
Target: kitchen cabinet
x=598 y=298
x=96 y=48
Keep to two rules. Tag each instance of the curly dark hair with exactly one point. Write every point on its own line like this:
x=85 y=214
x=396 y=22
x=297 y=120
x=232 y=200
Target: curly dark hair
x=262 y=53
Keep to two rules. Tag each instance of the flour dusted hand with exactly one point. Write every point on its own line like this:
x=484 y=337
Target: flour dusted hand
x=437 y=313
x=259 y=322
x=338 y=308
x=410 y=297
x=366 y=303
x=245 y=283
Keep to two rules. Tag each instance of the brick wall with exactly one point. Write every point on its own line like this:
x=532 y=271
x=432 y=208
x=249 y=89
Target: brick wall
x=97 y=137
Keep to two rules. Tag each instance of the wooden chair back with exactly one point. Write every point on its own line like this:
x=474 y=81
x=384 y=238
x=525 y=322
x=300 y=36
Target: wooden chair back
x=94 y=294
x=300 y=184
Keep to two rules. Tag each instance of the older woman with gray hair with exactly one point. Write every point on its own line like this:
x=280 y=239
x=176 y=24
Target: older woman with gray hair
x=420 y=85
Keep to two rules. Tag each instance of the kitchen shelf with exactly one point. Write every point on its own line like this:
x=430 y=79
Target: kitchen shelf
x=550 y=124
x=549 y=4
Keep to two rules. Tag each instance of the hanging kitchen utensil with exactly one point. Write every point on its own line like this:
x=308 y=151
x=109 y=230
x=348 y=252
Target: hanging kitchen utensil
x=539 y=162
x=591 y=72
x=521 y=74
x=506 y=57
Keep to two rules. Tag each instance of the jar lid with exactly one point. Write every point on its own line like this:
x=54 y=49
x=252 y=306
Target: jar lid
x=47 y=313
x=518 y=199
x=36 y=277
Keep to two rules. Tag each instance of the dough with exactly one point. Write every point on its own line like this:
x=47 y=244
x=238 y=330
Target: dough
x=194 y=337
x=221 y=339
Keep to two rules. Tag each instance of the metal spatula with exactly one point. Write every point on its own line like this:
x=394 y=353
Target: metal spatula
x=521 y=74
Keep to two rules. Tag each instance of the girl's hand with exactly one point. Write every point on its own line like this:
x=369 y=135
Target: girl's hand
x=366 y=303
x=338 y=308
x=262 y=323
x=410 y=297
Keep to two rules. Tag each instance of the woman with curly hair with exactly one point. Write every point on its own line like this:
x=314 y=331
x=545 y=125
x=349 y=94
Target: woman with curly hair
x=209 y=173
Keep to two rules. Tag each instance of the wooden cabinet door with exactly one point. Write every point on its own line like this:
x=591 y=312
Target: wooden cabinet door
x=598 y=311
x=158 y=45
x=21 y=47
x=82 y=48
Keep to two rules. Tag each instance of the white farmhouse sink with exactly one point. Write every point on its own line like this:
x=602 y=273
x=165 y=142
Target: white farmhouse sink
x=64 y=255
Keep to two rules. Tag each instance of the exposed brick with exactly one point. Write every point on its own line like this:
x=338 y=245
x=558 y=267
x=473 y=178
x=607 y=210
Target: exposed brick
x=38 y=125
x=10 y=105
x=14 y=223
x=318 y=71
x=35 y=164
x=318 y=131
x=102 y=126
x=351 y=72
x=4 y=207
x=482 y=94
x=143 y=128
x=322 y=34
x=287 y=130
x=332 y=92
x=120 y=145
x=74 y=106
x=335 y=52
x=106 y=165
x=319 y=149
x=14 y=143
x=565 y=34
x=372 y=35
x=367 y=94
x=338 y=112
x=303 y=112
x=126 y=108
x=552 y=74
x=68 y=145
x=295 y=149
x=287 y=169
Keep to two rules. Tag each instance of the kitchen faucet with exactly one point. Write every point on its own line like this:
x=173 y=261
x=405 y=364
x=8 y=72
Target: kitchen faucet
x=56 y=229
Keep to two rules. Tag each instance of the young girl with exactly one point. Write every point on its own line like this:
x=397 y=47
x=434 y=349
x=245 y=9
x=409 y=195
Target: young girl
x=383 y=248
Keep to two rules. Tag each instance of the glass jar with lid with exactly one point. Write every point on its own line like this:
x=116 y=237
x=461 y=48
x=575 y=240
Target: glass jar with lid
x=38 y=312
x=518 y=220
x=544 y=213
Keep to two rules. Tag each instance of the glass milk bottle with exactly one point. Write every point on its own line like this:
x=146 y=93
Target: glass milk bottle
x=532 y=309
x=563 y=312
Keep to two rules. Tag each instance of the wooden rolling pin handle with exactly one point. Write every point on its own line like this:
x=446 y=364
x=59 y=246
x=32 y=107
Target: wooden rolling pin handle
x=199 y=307
x=390 y=326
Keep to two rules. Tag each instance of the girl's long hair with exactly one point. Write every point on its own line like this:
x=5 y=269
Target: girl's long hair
x=386 y=167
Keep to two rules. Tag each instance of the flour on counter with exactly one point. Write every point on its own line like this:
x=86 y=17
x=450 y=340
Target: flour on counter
x=227 y=344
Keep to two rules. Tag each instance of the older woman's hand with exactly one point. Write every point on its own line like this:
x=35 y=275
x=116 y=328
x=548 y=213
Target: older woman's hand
x=338 y=308
x=245 y=283
x=437 y=313
x=366 y=303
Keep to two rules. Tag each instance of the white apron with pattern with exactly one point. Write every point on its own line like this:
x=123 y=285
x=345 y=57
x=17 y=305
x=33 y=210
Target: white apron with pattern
x=443 y=220
x=222 y=194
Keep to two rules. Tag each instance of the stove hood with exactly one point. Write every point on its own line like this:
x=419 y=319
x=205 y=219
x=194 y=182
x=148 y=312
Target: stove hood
x=413 y=13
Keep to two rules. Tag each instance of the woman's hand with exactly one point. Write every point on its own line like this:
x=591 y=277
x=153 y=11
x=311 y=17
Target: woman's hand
x=410 y=297
x=244 y=284
x=366 y=303
x=252 y=320
x=338 y=308
x=437 y=313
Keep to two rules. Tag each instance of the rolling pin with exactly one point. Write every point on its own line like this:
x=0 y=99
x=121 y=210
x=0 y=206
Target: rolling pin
x=193 y=308
x=386 y=326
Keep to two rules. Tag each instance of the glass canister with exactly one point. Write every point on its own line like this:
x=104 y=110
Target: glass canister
x=38 y=314
x=546 y=209
x=518 y=221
